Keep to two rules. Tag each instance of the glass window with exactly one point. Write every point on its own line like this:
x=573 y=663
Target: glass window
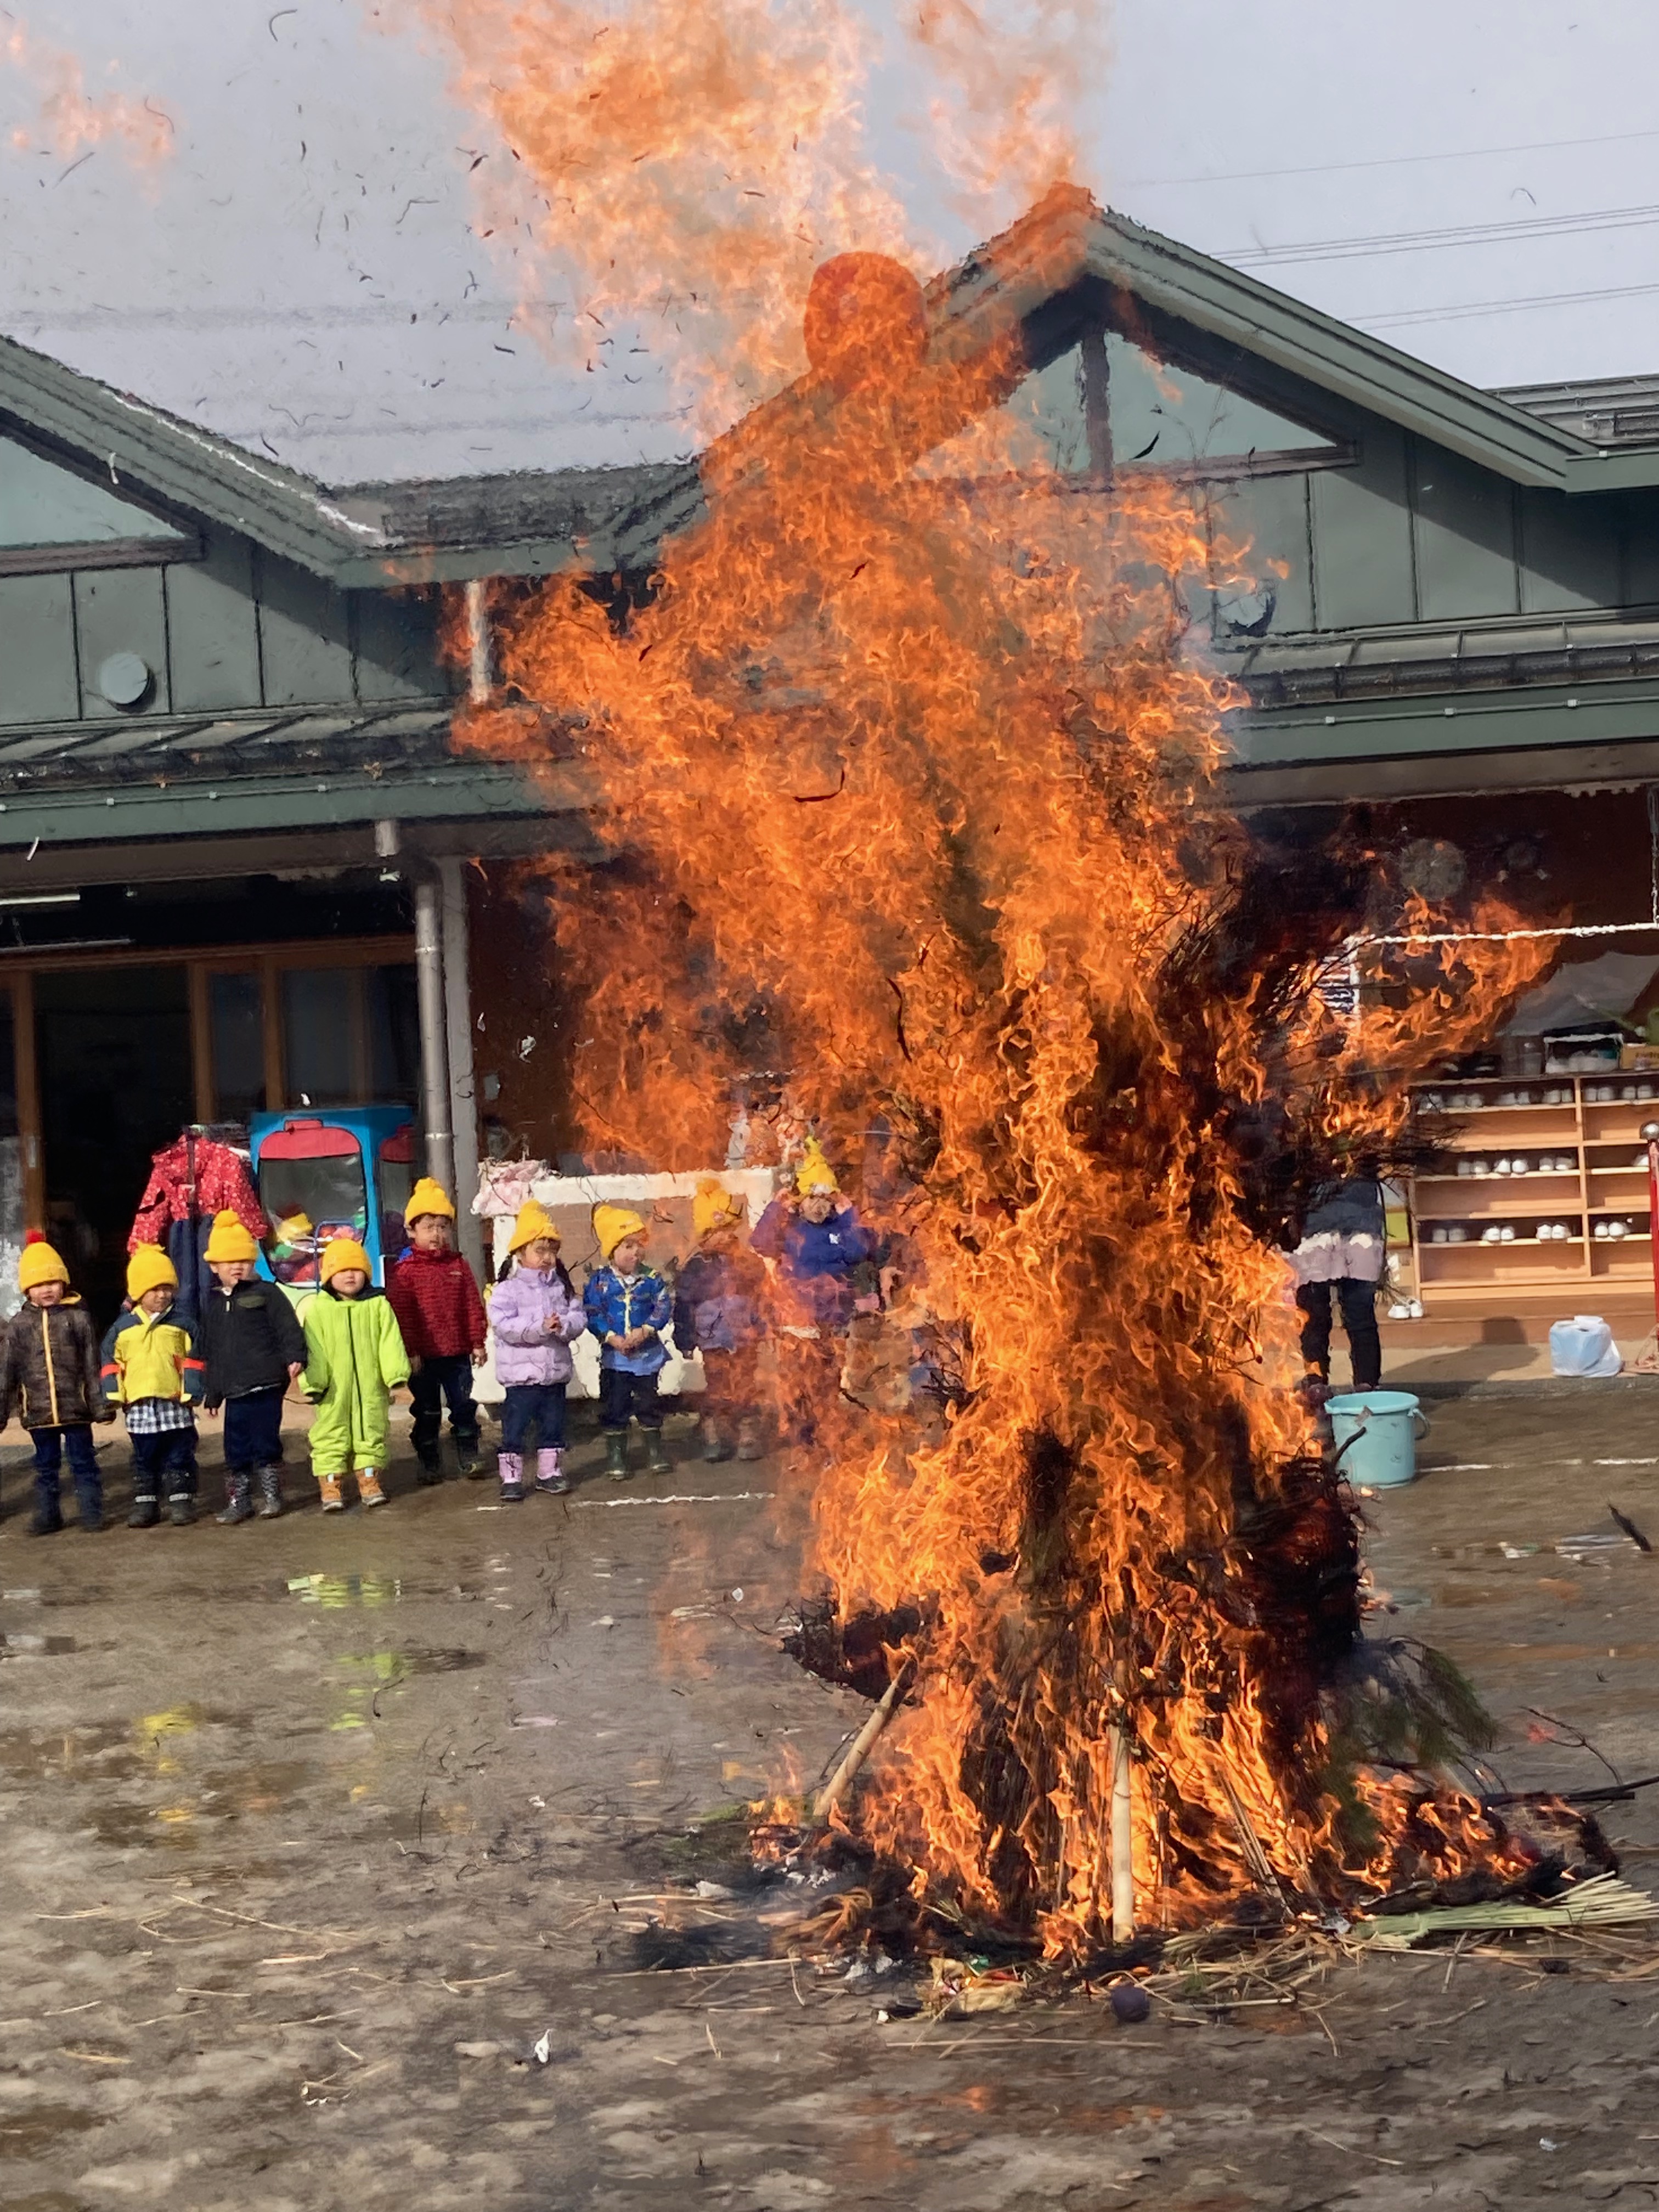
x=1160 y=416
x=394 y=1023
x=42 y=504
x=321 y=1013
x=236 y=1013
x=312 y=1188
x=397 y=1172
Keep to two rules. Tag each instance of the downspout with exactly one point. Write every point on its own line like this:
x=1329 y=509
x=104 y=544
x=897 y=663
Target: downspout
x=463 y=1101
x=434 y=1053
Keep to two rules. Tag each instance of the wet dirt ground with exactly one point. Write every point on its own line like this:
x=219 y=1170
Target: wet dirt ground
x=312 y=1834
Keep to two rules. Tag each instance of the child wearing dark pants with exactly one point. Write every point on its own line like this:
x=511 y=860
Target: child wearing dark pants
x=536 y=1317
x=49 y=1377
x=629 y=1306
x=153 y=1368
x=253 y=1347
x=435 y=1295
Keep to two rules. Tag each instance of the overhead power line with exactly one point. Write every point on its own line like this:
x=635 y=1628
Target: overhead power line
x=1520 y=228
x=1463 y=311
x=1392 y=160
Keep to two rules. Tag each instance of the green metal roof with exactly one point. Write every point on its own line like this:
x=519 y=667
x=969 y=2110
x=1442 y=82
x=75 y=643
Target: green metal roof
x=1067 y=258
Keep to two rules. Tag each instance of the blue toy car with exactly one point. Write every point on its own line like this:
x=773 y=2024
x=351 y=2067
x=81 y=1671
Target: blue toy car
x=332 y=1171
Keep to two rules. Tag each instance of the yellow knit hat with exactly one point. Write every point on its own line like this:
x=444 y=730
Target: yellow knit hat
x=714 y=1206
x=150 y=1269
x=228 y=1241
x=534 y=1220
x=39 y=1264
x=428 y=1197
x=611 y=1223
x=341 y=1253
x=815 y=1172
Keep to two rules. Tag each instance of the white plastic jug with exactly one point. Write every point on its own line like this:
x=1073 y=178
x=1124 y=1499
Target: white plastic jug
x=1583 y=1345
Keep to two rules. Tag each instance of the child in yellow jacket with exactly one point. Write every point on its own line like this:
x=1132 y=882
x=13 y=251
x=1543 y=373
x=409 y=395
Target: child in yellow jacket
x=153 y=1369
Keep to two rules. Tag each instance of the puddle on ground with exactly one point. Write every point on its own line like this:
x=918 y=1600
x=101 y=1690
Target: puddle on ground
x=370 y=1672
x=223 y=1794
x=32 y=2133
x=335 y=1592
x=21 y=1645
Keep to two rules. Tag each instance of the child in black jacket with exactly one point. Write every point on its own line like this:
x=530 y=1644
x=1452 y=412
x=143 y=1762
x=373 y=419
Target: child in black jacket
x=253 y=1347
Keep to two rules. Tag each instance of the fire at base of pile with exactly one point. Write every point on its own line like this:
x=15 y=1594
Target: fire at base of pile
x=1404 y=1839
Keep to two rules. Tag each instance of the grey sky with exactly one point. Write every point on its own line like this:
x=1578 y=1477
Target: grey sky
x=304 y=270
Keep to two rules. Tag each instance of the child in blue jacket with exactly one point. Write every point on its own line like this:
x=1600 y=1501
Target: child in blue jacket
x=628 y=1306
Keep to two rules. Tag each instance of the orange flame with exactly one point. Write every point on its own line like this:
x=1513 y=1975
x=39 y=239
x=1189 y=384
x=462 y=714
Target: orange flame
x=73 y=118
x=907 y=783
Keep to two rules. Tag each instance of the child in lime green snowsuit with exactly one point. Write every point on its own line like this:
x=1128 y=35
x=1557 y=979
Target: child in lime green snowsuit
x=355 y=1359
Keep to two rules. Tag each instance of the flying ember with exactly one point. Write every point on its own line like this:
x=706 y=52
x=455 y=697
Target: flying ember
x=912 y=840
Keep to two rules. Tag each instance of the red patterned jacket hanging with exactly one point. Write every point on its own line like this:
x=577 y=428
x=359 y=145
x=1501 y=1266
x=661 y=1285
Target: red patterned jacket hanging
x=222 y=1180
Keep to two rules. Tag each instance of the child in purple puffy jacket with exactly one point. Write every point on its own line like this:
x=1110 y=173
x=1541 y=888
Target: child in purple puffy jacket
x=536 y=1317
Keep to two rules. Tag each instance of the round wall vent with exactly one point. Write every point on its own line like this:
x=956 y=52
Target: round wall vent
x=125 y=679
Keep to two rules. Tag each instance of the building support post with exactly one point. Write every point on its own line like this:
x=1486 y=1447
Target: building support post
x=435 y=1052
x=480 y=657
x=463 y=1099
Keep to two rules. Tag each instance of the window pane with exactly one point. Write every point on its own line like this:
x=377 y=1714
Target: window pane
x=320 y=1013
x=236 y=1006
x=394 y=1023
x=41 y=504
x=306 y=1202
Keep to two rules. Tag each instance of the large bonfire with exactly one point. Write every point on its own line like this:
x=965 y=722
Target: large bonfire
x=908 y=781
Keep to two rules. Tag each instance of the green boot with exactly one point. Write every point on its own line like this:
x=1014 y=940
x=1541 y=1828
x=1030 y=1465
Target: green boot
x=657 y=1461
x=616 y=1454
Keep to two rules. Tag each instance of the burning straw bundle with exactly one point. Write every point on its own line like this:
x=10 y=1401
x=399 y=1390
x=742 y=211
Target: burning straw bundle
x=909 y=790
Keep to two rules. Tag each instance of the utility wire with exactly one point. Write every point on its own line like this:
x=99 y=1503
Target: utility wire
x=1473 y=233
x=1461 y=312
x=1392 y=160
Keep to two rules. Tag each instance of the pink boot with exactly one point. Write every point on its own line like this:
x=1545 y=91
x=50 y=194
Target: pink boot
x=510 y=1468
x=551 y=1478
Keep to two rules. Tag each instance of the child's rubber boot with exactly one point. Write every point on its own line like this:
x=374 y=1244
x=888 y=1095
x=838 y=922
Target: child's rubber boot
x=369 y=1487
x=715 y=1442
x=239 y=1506
x=551 y=1480
x=271 y=1493
x=92 y=1524
x=432 y=1466
x=181 y=1508
x=510 y=1468
x=466 y=1457
x=748 y=1440
x=45 y=1524
x=616 y=1454
x=330 y=1486
x=657 y=1461
x=145 y=1513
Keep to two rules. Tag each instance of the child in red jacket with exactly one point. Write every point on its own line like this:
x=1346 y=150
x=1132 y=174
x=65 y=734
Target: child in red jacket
x=442 y=1315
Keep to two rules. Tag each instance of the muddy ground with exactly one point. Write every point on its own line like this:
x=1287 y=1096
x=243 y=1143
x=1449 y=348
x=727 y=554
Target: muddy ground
x=310 y=1832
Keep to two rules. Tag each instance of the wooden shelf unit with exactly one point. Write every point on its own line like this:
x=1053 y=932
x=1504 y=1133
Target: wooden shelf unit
x=1608 y=1181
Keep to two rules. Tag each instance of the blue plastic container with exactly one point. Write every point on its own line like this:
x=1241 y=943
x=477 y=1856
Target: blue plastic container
x=1385 y=1426
x=325 y=1171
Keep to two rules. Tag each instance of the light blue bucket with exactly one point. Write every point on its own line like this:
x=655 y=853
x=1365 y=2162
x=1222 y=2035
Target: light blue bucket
x=1384 y=1426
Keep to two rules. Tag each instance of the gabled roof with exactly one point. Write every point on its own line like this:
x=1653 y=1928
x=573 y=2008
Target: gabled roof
x=366 y=534
x=1066 y=260
x=1068 y=242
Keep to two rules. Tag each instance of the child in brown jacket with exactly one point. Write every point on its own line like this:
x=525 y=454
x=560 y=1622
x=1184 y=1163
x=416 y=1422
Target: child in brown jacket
x=49 y=1378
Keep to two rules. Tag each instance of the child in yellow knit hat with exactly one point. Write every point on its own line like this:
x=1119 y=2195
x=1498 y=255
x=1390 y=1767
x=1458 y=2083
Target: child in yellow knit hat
x=434 y=1295
x=355 y=1359
x=253 y=1347
x=628 y=1307
x=48 y=1379
x=719 y=1298
x=153 y=1369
